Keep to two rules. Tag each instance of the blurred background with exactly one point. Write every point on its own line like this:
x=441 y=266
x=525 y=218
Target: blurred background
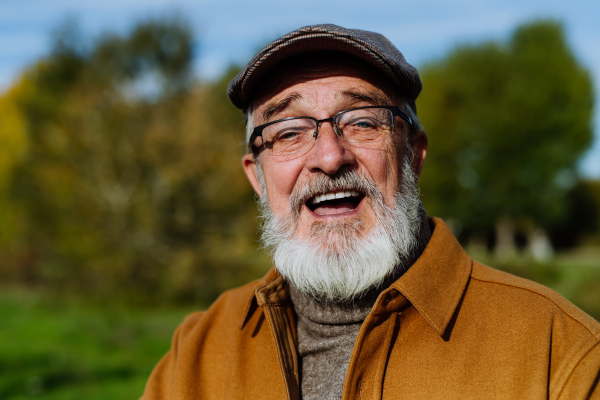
x=123 y=205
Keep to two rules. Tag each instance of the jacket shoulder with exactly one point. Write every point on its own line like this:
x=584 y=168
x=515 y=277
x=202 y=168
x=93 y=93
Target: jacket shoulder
x=228 y=310
x=539 y=295
x=206 y=349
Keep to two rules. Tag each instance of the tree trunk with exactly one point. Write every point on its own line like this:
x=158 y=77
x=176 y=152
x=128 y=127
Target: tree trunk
x=505 y=248
x=539 y=245
x=477 y=246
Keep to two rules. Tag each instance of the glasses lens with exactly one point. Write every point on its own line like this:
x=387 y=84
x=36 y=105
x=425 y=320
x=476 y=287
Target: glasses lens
x=290 y=136
x=366 y=126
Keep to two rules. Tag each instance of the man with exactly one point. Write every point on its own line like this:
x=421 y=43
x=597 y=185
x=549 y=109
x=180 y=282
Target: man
x=370 y=299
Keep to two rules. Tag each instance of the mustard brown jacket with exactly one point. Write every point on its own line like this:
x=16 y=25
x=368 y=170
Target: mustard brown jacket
x=449 y=328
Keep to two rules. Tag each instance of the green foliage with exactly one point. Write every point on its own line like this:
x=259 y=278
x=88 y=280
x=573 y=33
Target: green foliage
x=131 y=182
x=581 y=221
x=13 y=146
x=156 y=52
x=507 y=124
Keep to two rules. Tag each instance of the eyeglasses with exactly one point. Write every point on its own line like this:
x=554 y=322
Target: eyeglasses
x=364 y=127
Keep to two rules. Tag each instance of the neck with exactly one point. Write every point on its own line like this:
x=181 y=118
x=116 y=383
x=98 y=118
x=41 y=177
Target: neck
x=327 y=331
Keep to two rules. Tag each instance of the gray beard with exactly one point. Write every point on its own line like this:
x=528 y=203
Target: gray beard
x=338 y=263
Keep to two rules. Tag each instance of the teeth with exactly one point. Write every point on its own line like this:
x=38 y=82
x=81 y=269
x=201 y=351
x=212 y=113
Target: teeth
x=334 y=195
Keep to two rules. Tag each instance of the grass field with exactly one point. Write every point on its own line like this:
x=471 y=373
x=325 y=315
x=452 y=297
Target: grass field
x=68 y=350
x=50 y=350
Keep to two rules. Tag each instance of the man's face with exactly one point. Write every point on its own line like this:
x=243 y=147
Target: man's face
x=321 y=91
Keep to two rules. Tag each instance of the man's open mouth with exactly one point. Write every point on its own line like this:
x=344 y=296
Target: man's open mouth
x=335 y=202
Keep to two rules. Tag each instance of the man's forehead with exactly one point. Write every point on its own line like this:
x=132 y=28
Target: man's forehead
x=349 y=97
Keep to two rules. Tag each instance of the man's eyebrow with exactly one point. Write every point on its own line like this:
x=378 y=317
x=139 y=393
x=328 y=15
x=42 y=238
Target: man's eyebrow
x=274 y=108
x=372 y=97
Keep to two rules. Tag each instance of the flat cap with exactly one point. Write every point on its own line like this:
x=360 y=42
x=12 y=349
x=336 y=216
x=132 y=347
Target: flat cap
x=372 y=47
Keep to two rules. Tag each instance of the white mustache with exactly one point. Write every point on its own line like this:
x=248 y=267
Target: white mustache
x=345 y=180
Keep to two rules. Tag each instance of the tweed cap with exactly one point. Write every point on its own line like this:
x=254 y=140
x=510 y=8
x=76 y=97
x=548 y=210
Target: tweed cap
x=372 y=47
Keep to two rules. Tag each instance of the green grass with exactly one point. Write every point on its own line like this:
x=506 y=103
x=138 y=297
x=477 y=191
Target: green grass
x=50 y=350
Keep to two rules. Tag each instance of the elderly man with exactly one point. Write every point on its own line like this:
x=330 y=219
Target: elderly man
x=370 y=299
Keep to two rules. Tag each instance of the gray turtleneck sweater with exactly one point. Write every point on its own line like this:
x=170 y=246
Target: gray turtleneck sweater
x=327 y=333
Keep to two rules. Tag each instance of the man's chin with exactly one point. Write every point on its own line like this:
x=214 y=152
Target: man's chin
x=336 y=234
x=355 y=223
x=336 y=264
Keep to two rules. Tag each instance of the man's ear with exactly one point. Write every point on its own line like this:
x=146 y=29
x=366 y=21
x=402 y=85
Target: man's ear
x=249 y=164
x=419 y=148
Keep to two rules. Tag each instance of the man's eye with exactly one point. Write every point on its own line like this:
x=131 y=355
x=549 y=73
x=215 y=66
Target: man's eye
x=363 y=124
x=288 y=135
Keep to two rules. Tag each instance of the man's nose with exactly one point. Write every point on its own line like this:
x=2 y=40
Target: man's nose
x=330 y=152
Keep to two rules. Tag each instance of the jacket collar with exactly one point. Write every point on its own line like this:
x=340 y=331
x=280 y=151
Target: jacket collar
x=269 y=291
x=434 y=284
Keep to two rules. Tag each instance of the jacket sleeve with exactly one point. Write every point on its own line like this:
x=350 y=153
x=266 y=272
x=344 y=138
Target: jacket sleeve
x=162 y=382
x=583 y=382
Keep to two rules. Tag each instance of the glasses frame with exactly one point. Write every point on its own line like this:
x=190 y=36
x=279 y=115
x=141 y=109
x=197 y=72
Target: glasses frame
x=396 y=112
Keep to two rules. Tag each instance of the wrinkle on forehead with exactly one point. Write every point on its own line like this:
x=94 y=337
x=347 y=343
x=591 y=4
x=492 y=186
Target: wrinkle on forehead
x=354 y=96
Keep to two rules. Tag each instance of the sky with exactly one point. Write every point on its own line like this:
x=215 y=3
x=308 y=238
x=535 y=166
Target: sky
x=232 y=31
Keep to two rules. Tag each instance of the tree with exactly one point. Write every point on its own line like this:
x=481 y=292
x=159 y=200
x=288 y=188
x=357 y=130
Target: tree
x=132 y=179
x=507 y=124
x=13 y=147
x=581 y=222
